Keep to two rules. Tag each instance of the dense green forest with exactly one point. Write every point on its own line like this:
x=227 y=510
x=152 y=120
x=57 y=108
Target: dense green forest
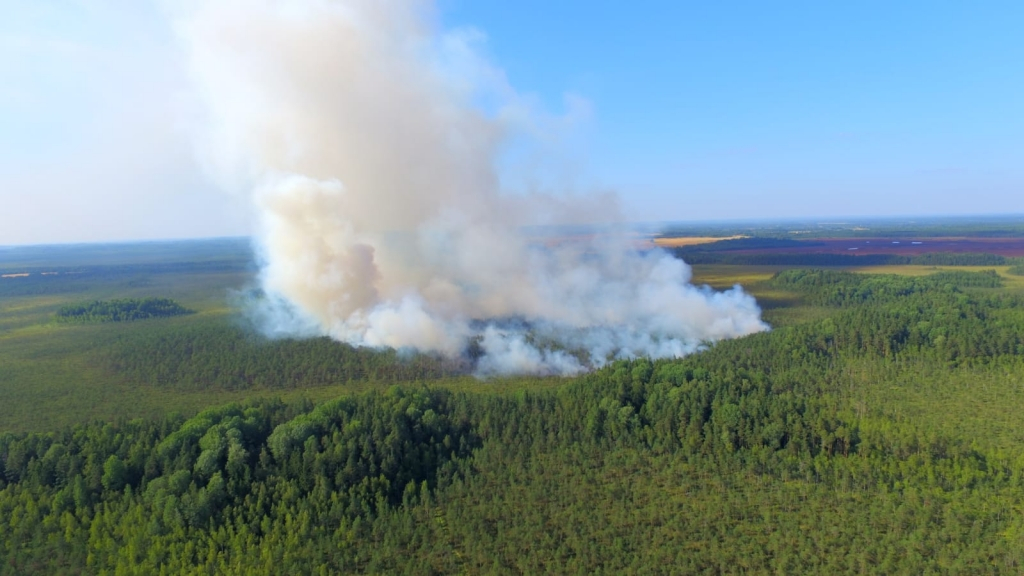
x=878 y=436
x=120 y=310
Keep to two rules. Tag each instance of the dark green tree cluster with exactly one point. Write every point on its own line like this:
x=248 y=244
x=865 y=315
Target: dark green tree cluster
x=837 y=288
x=933 y=317
x=747 y=457
x=120 y=310
x=958 y=259
x=217 y=356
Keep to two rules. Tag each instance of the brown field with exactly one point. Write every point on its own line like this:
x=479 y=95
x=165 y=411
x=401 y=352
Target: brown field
x=669 y=242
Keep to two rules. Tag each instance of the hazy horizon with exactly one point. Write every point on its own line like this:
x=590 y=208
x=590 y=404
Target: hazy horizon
x=653 y=227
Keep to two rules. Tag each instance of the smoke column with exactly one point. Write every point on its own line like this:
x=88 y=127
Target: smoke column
x=367 y=139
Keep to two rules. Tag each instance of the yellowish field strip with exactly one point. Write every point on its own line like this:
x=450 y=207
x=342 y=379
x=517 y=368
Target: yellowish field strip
x=669 y=242
x=722 y=276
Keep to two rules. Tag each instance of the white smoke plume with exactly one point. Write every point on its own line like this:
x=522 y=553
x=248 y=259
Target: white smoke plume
x=367 y=138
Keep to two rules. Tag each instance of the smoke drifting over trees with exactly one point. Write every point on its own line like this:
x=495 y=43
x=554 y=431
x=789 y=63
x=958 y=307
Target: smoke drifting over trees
x=367 y=139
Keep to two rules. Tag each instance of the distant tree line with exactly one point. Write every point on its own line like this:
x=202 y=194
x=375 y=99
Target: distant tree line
x=42 y=280
x=1011 y=227
x=692 y=256
x=752 y=243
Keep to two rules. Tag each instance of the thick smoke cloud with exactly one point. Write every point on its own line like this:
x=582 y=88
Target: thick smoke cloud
x=367 y=139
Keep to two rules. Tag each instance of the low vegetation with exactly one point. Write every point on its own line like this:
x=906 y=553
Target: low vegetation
x=219 y=356
x=871 y=435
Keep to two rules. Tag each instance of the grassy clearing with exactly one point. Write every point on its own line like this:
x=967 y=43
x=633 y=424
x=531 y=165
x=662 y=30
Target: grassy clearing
x=48 y=373
x=779 y=307
x=49 y=376
x=48 y=396
x=725 y=276
x=1011 y=282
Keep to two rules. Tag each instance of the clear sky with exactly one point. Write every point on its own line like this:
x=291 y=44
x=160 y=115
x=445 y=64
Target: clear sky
x=700 y=110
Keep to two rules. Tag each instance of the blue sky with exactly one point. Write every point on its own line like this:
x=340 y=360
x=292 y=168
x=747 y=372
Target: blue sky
x=774 y=109
x=700 y=110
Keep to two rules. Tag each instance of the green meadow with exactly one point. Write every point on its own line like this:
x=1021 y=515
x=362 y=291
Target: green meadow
x=54 y=374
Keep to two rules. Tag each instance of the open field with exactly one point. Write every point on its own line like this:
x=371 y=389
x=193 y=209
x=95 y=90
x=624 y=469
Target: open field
x=725 y=276
x=60 y=367
x=56 y=375
x=679 y=241
x=991 y=247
